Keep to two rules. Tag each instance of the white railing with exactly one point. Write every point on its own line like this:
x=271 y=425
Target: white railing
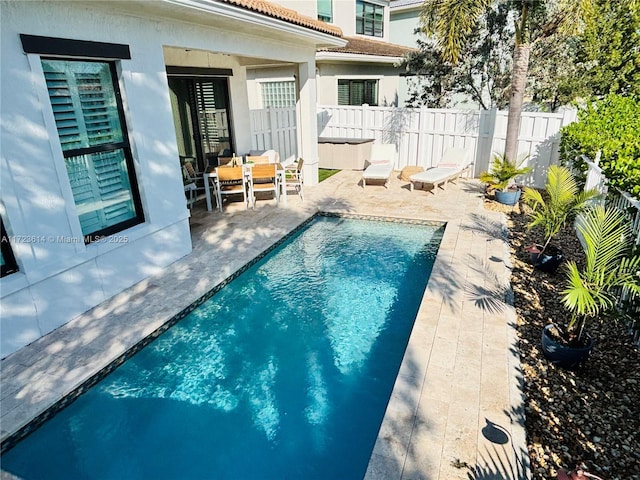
x=421 y=135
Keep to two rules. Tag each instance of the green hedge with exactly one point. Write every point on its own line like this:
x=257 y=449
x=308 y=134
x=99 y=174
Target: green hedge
x=611 y=125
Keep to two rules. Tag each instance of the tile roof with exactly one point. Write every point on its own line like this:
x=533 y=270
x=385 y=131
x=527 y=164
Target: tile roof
x=286 y=14
x=364 y=46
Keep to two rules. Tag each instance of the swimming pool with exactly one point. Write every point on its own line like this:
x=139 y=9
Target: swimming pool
x=283 y=373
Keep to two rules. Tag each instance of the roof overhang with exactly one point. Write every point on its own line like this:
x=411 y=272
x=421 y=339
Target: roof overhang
x=236 y=17
x=406 y=7
x=357 y=58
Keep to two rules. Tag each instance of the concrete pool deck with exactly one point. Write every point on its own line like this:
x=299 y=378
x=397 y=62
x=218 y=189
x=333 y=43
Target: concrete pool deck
x=456 y=411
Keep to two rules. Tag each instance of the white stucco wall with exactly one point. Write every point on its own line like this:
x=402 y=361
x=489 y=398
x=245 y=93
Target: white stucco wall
x=402 y=25
x=304 y=7
x=387 y=76
x=255 y=78
x=57 y=280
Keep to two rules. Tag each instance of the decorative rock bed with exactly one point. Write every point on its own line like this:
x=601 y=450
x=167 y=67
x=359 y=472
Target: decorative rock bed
x=590 y=416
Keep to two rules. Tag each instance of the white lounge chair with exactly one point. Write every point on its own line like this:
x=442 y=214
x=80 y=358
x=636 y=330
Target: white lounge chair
x=381 y=163
x=453 y=164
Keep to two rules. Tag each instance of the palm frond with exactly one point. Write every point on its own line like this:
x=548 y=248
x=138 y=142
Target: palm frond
x=451 y=21
x=609 y=265
x=562 y=204
x=604 y=232
x=561 y=186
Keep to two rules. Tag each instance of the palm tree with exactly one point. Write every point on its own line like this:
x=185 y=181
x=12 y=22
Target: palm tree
x=609 y=267
x=452 y=20
x=564 y=200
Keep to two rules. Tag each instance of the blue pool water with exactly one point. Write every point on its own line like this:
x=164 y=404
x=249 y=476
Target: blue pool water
x=285 y=373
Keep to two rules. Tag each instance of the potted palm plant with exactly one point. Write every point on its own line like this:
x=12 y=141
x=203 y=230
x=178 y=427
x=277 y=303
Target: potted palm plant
x=610 y=266
x=561 y=203
x=500 y=177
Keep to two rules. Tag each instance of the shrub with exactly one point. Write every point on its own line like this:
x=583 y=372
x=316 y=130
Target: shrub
x=610 y=125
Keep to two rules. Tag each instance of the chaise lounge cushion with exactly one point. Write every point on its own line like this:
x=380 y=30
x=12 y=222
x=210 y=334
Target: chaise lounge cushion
x=453 y=164
x=378 y=171
x=381 y=163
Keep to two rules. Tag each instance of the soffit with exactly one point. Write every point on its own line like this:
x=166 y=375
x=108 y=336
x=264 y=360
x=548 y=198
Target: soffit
x=253 y=17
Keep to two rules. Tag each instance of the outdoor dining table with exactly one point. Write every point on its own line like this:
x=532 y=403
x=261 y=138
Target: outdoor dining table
x=280 y=172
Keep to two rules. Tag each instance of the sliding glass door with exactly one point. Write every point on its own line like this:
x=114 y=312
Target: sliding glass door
x=201 y=117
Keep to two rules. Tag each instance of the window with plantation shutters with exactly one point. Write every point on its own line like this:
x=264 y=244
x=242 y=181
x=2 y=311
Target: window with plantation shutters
x=88 y=114
x=212 y=111
x=357 y=92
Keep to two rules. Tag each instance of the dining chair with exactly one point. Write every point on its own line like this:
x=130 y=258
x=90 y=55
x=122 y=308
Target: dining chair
x=223 y=161
x=293 y=177
x=264 y=179
x=257 y=159
x=231 y=180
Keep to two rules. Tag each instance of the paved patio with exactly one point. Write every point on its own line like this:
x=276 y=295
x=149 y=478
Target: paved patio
x=456 y=411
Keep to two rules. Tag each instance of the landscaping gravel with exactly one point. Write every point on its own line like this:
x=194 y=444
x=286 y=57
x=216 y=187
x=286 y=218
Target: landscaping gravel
x=589 y=416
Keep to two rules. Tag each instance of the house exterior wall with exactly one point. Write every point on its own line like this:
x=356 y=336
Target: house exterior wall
x=304 y=7
x=59 y=277
x=403 y=22
x=330 y=73
x=402 y=25
x=344 y=13
x=256 y=77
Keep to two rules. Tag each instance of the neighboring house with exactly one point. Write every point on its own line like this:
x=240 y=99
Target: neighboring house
x=404 y=19
x=99 y=100
x=363 y=71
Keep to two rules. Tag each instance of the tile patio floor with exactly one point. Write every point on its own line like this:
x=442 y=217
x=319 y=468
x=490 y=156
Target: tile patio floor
x=456 y=408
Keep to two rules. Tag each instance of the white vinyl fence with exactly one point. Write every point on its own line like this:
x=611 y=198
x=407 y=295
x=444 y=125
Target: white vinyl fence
x=275 y=128
x=421 y=135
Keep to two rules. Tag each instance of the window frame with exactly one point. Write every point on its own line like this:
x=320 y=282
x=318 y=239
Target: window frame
x=290 y=83
x=325 y=18
x=123 y=145
x=10 y=264
x=364 y=81
x=40 y=48
x=369 y=8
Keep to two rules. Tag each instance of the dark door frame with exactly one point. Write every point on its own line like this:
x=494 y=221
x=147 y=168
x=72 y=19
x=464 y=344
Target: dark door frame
x=193 y=75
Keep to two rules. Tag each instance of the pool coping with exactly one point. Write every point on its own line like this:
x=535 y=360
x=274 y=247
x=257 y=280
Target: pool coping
x=13 y=438
x=448 y=450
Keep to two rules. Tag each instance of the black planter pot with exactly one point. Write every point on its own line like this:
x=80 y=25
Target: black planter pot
x=508 y=197
x=563 y=355
x=547 y=261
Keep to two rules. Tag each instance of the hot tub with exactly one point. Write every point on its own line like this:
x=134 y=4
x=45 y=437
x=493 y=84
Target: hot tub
x=343 y=153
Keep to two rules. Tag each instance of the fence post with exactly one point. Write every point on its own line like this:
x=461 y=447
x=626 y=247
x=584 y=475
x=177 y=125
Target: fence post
x=273 y=127
x=421 y=138
x=568 y=116
x=486 y=134
x=364 y=130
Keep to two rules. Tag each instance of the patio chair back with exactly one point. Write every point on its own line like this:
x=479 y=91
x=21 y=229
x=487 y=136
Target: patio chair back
x=230 y=180
x=264 y=179
x=293 y=177
x=256 y=159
